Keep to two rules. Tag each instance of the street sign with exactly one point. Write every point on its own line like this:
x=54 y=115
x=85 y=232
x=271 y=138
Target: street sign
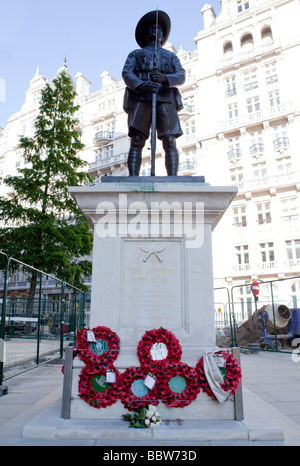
x=255 y=288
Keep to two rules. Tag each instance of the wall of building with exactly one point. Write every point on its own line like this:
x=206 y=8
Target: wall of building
x=241 y=127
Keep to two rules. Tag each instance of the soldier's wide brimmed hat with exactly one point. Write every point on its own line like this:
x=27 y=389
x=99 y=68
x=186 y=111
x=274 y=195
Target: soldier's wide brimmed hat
x=147 y=20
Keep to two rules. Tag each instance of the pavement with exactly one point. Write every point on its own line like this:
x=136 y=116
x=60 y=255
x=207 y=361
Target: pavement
x=271 y=391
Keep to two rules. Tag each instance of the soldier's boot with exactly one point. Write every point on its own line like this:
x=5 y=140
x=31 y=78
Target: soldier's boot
x=135 y=155
x=172 y=157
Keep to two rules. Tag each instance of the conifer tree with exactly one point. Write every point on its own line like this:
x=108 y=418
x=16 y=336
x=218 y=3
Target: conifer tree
x=43 y=227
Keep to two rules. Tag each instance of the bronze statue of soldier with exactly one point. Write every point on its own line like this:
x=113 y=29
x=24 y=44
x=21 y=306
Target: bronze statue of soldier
x=147 y=71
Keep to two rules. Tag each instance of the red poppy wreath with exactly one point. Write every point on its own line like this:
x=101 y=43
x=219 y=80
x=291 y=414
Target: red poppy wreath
x=133 y=393
x=98 y=346
x=233 y=375
x=94 y=388
x=158 y=349
x=179 y=386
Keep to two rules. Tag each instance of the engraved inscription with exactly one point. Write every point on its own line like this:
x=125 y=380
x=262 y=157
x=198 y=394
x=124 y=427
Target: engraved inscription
x=152 y=291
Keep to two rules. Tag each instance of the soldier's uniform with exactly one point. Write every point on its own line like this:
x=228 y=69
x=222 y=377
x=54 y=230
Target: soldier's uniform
x=137 y=69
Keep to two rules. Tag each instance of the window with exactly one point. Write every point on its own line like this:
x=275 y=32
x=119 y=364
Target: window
x=263 y=212
x=190 y=128
x=289 y=209
x=242 y=254
x=239 y=216
x=284 y=165
x=295 y=295
x=271 y=73
x=274 y=100
x=234 y=148
x=233 y=111
x=267 y=252
x=260 y=170
x=281 y=139
x=245 y=299
x=293 y=249
x=250 y=80
x=108 y=151
x=242 y=5
x=236 y=175
x=256 y=142
x=230 y=86
x=146 y=169
x=253 y=105
x=189 y=104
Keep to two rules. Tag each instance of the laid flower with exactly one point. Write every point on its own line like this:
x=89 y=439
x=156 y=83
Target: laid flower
x=105 y=347
x=232 y=379
x=143 y=418
x=157 y=349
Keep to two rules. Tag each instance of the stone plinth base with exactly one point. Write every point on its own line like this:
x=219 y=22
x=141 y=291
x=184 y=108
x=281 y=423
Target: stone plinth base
x=152 y=268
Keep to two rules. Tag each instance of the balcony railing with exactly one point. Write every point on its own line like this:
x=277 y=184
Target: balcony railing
x=187 y=166
x=251 y=86
x=257 y=116
x=234 y=154
x=231 y=92
x=103 y=137
x=257 y=149
x=281 y=143
x=109 y=161
x=275 y=266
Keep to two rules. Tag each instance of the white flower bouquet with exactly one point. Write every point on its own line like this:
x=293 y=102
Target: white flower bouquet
x=147 y=417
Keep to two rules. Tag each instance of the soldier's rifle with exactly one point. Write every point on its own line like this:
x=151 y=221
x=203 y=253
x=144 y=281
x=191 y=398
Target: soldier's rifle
x=154 y=104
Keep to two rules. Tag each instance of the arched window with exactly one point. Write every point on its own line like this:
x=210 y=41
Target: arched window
x=266 y=34
x=227 y=48
x=247 y=41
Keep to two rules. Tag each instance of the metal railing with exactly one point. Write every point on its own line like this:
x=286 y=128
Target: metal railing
x=35 y=329
x=248 y=322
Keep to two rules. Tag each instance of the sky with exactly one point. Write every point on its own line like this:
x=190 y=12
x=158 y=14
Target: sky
x=93 y=36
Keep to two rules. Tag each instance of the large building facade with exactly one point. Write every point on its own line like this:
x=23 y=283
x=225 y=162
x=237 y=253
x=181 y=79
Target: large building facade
x=241 y=127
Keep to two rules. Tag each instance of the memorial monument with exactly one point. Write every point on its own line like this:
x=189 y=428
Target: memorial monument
x=152 y=255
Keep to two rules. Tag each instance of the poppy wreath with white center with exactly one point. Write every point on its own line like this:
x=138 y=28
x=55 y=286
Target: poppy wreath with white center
x=149 y=339
x=126 y=395
x=85 y=347
x=86 y=386
x=233 y=375
x=172 y=398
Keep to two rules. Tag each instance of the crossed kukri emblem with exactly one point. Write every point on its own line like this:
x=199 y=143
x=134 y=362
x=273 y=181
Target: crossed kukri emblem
x=155 y=253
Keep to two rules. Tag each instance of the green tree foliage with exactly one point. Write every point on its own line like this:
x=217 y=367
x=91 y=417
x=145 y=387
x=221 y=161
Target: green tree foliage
x=43 y=225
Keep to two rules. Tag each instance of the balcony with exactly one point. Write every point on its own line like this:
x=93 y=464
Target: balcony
x=186 y=112
x=271 y=113
x=281 y=143
x=257 y=149
x=108 y=162
x=234 y=155
x=187 y=166
x=231 y=92
x=290 y=266
x=103 y=137
x=251 y=86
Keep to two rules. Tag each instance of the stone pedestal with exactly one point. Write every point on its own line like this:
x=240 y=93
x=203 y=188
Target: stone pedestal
x=152 y=265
